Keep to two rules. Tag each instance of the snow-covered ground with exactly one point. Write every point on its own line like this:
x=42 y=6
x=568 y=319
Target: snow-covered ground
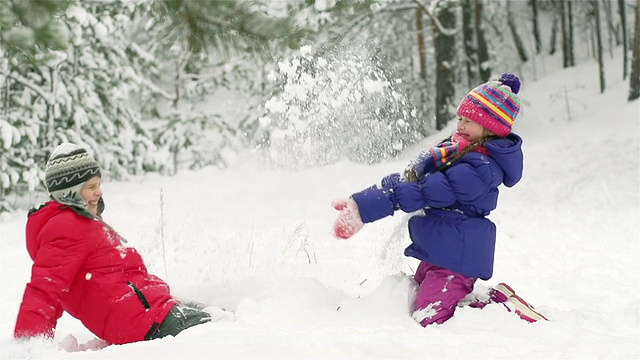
x=259 y=242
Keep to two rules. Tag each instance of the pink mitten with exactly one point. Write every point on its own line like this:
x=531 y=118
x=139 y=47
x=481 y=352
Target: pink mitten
x=348 y=222
x=70 y=344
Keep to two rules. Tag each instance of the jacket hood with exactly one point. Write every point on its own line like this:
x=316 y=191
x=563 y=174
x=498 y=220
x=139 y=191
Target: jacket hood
x=507 y=152
x=39 y=217
x=45 y=212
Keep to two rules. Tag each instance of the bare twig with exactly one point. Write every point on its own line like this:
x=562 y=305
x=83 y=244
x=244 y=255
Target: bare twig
x=47 y=96
x=566 y=97
x=251 y=248
x=441 y=29
x=164 y=258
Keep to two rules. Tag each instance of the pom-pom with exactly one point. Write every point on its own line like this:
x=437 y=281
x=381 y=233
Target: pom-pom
x=511 y=81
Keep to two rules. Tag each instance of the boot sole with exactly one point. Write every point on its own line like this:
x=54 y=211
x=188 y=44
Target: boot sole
x=522 y=308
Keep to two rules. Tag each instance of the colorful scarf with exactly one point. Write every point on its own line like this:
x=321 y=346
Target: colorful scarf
x=439 y=157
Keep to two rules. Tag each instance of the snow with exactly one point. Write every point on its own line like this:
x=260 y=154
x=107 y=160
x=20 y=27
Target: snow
x=259 y=242
x=325 y=106
x=64 y=148
x=6 y=133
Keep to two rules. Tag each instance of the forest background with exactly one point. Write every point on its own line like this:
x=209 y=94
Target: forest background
x=164 y=85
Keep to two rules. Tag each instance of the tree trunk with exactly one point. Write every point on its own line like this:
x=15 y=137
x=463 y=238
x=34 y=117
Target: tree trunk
x=445 y=57
x=425 y=127
x=599 y=44
x=554 y=35
x=611 y=27
x=421 y=46
x=177 y=84
x=483 y=53
x=522 y=53
x=51 y=107
x=634 y=81
x=536 y=26
x=570 y=47
x=625 y=44
x=5 y=93
x=469 y=44
x=611 y=31
x=565 y=34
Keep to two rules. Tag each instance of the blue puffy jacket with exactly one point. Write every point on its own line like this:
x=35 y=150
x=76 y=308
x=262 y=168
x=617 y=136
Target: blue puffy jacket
x=454 y=232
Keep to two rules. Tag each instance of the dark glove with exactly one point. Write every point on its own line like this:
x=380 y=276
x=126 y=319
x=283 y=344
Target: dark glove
x=390 y=180
x=100 y=207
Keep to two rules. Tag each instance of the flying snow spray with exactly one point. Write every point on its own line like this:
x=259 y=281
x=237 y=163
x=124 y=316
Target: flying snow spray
x=334 y=106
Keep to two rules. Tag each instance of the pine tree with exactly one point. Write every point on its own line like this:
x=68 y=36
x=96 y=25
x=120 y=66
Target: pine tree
x=225 y=26
x=208 y=45
x=30 y=27
x=32 y=39
x=69 y=72
x=78 y=93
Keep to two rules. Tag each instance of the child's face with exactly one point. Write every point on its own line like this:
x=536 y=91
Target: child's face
x=91 y=193
x=469 y=129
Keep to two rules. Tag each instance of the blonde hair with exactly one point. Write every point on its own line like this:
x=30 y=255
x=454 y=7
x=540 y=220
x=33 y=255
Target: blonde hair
x=486 y=133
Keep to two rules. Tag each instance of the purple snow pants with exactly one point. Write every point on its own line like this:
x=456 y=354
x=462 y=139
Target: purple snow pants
x=438 y=293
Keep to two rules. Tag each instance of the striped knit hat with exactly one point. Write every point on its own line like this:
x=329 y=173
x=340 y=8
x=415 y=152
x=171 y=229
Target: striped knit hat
x=494 y=105
x=68 y=168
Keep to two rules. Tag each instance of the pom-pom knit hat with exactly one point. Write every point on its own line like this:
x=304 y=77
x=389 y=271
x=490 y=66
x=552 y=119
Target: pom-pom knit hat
x=68 y=168
x=494 y=105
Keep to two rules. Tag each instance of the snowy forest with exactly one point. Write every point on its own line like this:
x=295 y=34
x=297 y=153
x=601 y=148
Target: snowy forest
x=140 y=82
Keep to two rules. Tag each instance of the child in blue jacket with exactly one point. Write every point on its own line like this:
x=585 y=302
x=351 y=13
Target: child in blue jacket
x=456 y=184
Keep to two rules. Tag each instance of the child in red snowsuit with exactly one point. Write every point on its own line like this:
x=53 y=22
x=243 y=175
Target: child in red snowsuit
x=82 y=266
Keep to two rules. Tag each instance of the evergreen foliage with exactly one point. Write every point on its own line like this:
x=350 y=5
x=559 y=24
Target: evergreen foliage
x=28 y=27
x=206 y=46
x=79 y=93
x=94 y=73
x=225 y=26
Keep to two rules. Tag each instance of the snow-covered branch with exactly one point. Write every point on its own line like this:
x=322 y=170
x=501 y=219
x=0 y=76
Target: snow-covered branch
x=46 y=95
x=18 y=162
x=441 y=29
x=156 y=89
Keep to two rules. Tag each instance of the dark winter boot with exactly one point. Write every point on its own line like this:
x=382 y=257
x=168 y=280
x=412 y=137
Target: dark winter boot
x=180 y=317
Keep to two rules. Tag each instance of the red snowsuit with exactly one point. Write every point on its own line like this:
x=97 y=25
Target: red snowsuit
x=81 y=266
